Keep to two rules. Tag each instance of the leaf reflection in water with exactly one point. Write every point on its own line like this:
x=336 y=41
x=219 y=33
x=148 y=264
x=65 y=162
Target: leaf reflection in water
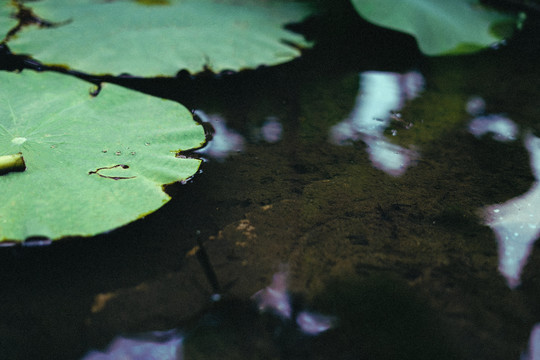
x=380 y=93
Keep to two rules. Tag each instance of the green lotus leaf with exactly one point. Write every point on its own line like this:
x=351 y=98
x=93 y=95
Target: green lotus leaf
x=7 y=20
x=440 y=26
x=91 y=163
x=152 y=38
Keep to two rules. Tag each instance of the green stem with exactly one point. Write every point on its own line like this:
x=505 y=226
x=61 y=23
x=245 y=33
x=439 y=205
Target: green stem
x=13 y=162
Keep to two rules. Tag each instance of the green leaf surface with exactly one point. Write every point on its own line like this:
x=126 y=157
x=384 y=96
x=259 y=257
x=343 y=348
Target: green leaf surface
x=439 y=26
x=125 y=36
x=92 y=163
x=7 y=20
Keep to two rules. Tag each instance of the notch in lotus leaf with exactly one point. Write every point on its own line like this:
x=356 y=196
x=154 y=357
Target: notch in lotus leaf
x=77 y=164
x=149 y=38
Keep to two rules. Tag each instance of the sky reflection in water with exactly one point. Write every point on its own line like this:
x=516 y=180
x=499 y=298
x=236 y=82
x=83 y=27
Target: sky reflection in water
x=515 y=222
x=225 y=140
x=501 y=128
x=533 y=353
x=167 y=345
x=275 y=298
x=380 y=93
x=162 y=345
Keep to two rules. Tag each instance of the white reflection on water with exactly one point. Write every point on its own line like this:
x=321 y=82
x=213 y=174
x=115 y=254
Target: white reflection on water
x=225 y=141
x=162 y=345
x=533 y=352
x=475 y=106
x=516 y=223
x=275 y=298
x=272 y=130
x=167 y=345
x=314 y=324
x=502 y=128
x=380 y=94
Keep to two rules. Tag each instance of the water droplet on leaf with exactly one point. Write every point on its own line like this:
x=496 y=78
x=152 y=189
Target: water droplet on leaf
x=18 y=140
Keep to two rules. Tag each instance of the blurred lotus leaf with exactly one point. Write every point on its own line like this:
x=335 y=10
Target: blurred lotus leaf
x=93 y=163
x=160 y=38
x=441 y=27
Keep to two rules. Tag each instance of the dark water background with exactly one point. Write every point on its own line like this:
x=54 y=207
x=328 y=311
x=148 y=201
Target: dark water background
x=402 y=262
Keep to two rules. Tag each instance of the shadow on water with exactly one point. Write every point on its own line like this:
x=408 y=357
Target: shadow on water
x=379 y=318
x=402 y=262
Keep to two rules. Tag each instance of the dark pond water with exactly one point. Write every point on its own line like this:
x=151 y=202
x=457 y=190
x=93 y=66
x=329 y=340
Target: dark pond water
x=375 y=224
